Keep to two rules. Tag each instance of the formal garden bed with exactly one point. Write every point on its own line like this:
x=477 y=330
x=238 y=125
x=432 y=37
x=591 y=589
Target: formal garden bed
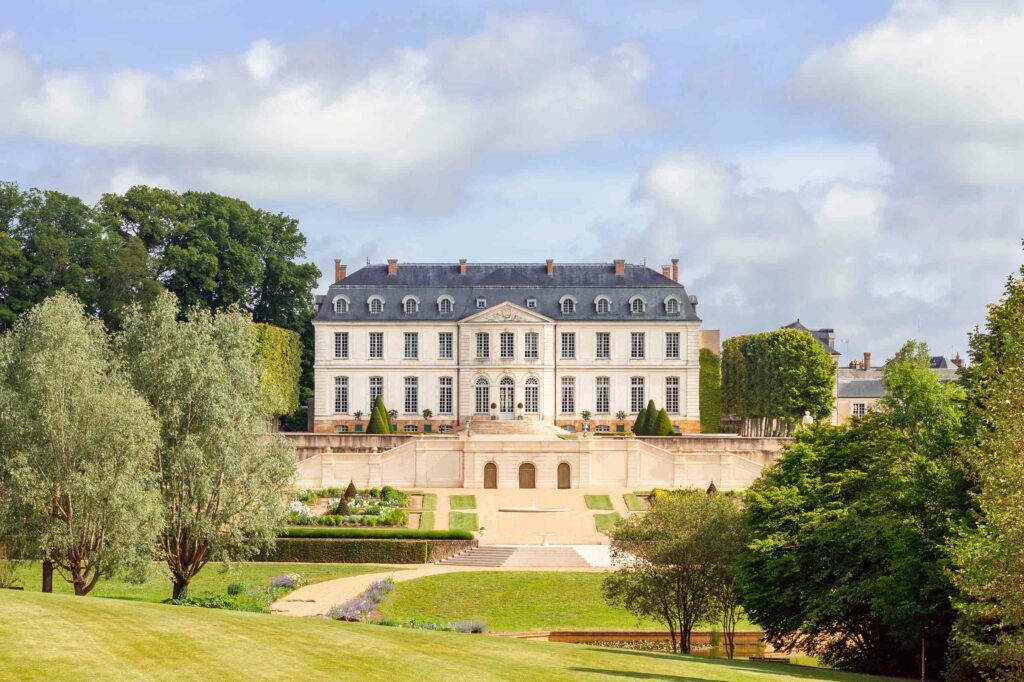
x=386 y=506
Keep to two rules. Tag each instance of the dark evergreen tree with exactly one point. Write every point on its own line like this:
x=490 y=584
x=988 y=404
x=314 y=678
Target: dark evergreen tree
x=638 y=425
x=664 y=424
x=650 y=426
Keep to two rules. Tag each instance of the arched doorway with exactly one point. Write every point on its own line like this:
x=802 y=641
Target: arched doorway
x=564 y=476
x=527 y=475
x=507 y=398
x=490 y=475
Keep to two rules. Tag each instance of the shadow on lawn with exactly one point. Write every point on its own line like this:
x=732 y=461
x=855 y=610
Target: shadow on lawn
x=641 y=676
x=798 y=671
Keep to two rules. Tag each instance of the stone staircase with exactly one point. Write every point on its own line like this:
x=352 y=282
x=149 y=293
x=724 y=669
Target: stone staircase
x=512 y=427
x=521 y=556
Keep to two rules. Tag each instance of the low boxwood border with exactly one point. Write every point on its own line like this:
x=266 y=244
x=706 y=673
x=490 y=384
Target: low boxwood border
x=336 y=532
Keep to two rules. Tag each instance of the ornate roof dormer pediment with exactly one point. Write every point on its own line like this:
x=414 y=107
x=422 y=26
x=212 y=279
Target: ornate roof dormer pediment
x=507 y=313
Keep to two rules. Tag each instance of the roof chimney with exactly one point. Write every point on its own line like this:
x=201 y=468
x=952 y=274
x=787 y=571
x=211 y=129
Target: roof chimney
x=958 y=361
x=462 y=266
x=867 y=361
x=392 y=266
x=339 y=270
x=620 y=267
x=666 y=271
x=551 y=266
x=675 y=269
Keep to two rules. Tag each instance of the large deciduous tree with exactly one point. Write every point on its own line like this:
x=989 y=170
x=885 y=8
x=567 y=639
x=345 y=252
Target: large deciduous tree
x=76 y=447
x=850 y=530
x=771 y=379
x=222 y=478
x=990 y=560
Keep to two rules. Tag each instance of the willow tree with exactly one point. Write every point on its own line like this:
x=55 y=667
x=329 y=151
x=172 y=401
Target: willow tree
x=76 y=447
x=222 y=477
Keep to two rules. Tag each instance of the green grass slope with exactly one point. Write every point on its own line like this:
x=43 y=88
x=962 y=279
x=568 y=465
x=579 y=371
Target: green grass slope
x=58 y=637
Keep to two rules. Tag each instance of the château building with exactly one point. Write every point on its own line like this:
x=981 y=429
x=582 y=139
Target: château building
x=483 y=341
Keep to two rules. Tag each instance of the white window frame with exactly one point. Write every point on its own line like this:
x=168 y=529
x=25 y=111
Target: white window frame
x=602 y=395
x=483 y=345
x=410 y=305
x=859 y=409
x=341 y=345
x=531 y=345
x=568 y=346
x=637 y=394
x=673 y=345
x=411 y=428
x=567 y=305
x=637 y=345
x=531 y=395
x=637 y=305
x=531 y=303
x=481 y=303
x=672 y=395
x=672 y=306
x=341 y=304
x=481 y=396
x=375 y=304
x=375 y=348
x=340 y=395
x=445 y=345
x=411 y=345
x=411 y=395
x=445 y=395
x=445 y=305
x=507 y=345
x=603 y=345
x=376 y=389
x=568 y=395
x=603 y=305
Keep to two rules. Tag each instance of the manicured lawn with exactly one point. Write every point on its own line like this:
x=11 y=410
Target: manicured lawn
x=462 y=521
x=633 y=502
x=58 y=637
x=598 y=502
x=427 y=520
x=429 y=501
x=211 y=580
x=605 y=522
x=462 y=501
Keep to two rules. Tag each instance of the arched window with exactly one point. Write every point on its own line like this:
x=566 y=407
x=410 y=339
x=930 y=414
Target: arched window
x=376 y=304
x=603 y=305
x=637 y=305
x=445 y=305
x=410 y=304
x=341 y=304
x=568 y=305
x=672 y=306
x=531 y=399
x=482 y=396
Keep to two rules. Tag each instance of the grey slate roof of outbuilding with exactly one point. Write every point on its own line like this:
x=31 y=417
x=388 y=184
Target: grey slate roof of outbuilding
x=862 y=388
x=823 y=336
x=512 y=282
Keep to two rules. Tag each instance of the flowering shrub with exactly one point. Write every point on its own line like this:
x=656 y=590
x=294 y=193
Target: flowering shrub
x=288 y=580
x=355 y=609
x=386 y=506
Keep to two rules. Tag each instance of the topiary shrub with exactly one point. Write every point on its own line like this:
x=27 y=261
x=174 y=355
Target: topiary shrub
x=650 y=419
x=638 y=425
x=350 y=491
x=664 y=425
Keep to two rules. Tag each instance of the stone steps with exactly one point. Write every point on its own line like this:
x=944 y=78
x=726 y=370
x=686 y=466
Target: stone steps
x=507 y=427
x=519 y=556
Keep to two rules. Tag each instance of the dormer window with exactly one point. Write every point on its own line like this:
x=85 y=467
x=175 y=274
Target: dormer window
x=481 y=303
x=637 y=305
x=445 y=305
x=672 y=306
x=531 y=303
x=376 y=304
x=603 y=305
x=410 y=304
x=568 y=304
x=341 y=304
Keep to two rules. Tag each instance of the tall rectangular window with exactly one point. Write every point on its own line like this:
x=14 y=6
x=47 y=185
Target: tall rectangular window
x=376 y=389
x=672 y=345
x=568 y=395
x=444 y=397
x=568 y=345
x=636 y=345
x=341 y=345
x=672 y=395
x=603 y=345
x=483 y=345
x=412 y=345
x=340 y=395
x=508 y=345
x=445 y=345
x=531 y=344
x=602 y=399
x=482 y=396
x=636 y=394
x=376 y=344
x=412 y=395
x=532 y=397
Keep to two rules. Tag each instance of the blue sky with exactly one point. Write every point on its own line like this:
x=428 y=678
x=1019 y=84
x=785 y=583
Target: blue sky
x=851 y=164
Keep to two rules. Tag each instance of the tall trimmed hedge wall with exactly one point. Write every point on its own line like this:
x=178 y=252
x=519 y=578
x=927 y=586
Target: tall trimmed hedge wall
x=281 y=354
x=710 y=392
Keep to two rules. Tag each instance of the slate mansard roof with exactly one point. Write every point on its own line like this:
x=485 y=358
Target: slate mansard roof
x=512 y=282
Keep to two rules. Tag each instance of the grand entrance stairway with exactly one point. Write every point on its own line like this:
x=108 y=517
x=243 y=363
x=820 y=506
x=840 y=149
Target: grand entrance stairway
x=525 y=556
x=513 y=427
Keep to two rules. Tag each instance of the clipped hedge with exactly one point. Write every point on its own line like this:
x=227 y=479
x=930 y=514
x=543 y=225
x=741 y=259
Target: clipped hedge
x=350 y=551
x=373 y=533
x=280 y=354
x=710 y=392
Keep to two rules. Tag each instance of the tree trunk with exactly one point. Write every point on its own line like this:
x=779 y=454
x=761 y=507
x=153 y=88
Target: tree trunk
x=47 y=575
x=81 y=589
x=180 y=589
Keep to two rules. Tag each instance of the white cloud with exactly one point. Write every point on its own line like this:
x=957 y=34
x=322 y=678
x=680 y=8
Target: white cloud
x=938 y=83
x=399 y=131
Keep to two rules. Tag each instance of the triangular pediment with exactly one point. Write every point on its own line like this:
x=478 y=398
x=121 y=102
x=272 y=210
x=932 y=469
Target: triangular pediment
x=505 y=313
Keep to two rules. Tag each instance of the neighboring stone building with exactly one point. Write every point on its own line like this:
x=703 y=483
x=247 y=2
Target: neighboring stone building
x=860 y=385
x=541 y=341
